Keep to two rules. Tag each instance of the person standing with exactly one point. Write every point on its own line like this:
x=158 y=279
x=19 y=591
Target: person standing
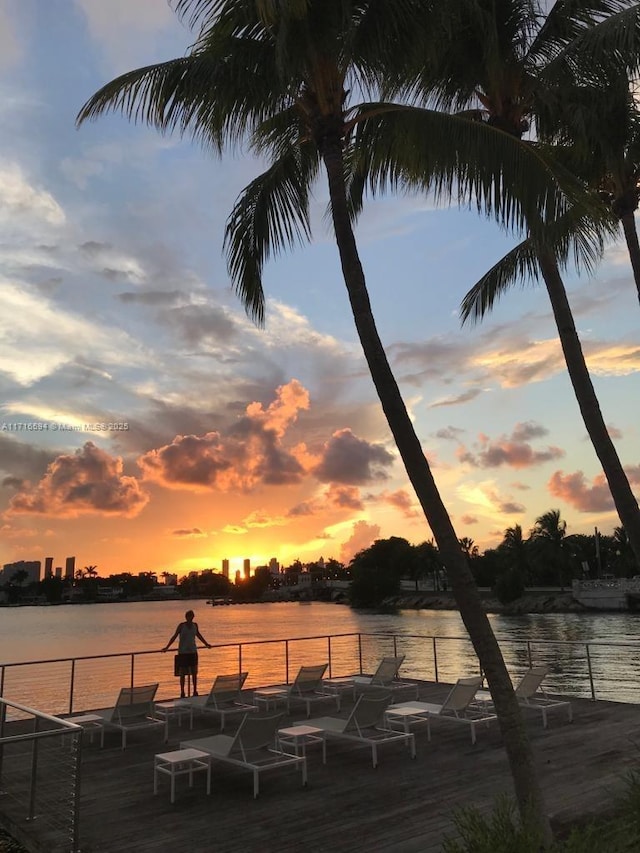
x=187 y=663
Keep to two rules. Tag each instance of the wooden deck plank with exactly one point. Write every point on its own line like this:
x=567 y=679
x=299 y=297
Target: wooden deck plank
x=402 y=806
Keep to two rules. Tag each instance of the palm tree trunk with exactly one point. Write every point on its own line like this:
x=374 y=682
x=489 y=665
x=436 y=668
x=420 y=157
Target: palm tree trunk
x=623 y=498
x=631 y=236
x=527 y=788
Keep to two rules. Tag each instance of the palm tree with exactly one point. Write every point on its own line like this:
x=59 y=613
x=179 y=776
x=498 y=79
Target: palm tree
x=514 y=547
x=550 y=547
x=601 y=125
x=502 y=62
x=280 y=76
x=90 y=571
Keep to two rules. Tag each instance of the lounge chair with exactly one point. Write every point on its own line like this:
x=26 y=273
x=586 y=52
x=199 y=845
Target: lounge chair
x=386 y=676
x=306 y=689
x=252 y=747
x=457 y=707
x=531 y=694
x=365 y=725
x=224 y=699
x=133 y=711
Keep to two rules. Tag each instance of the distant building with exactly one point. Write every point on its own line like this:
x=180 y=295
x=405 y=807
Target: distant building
x=70 y=568
x=225 y=568
x=171 y=580
x=247 y=568
x=274 y=566
x=59 y=572
x=48 y=567
x=31 y=567
x=238 y=577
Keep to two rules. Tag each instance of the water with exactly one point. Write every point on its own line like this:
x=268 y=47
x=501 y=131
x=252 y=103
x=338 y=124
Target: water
x=52 y=633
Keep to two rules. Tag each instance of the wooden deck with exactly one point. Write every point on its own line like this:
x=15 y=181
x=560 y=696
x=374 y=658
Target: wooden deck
x=403 y=806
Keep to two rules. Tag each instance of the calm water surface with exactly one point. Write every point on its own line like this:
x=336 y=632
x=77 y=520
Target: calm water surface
x=46 y=633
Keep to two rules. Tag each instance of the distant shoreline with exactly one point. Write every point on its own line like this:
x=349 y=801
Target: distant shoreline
x=552 y=602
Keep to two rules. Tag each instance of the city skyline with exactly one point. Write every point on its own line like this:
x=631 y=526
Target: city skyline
x=149 y=422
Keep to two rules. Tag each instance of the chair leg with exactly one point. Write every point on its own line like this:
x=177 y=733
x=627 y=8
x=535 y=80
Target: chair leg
x=256 y=784
x=374 y=754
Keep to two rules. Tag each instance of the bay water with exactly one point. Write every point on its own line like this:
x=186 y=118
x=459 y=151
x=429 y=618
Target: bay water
x=587 y=653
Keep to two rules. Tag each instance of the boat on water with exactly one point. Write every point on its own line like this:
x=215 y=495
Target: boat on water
x=608 y=593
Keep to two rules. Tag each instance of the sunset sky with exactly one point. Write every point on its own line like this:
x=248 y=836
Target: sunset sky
x=246 y=442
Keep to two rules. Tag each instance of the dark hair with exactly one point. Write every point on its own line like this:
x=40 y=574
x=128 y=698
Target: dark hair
x=188 y=614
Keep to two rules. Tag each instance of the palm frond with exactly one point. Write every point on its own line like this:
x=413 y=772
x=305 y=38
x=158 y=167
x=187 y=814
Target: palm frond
x=216 y=96
x=600 y=52
x=271 y=214
x=575 y=237
x=518 y=184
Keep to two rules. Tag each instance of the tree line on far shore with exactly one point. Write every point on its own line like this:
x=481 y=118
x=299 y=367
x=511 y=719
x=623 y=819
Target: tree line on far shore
x=547 y=556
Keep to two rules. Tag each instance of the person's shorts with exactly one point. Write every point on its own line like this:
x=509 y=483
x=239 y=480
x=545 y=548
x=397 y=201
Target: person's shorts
x=186 y=663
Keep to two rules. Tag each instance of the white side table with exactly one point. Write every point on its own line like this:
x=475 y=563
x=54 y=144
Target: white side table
x=172 y=708
x=181 y=762
x=267 y=696
x=90 y=723
x=300 y=736
x=340 y=685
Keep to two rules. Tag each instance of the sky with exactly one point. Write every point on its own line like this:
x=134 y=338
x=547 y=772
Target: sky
x=224 y=440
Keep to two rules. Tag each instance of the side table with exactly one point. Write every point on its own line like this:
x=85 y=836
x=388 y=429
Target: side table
x=300 y=736
x=181 y=762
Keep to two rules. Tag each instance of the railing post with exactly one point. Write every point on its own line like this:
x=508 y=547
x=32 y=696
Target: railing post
x=529 y=653
x=360 y=651
x=286 y=661
x=593 y=688
x=239 y=658
x=435 y=658
x=133 y=660
x=3 y=717
x=34 y=770
x=72 y=685
x=329 y=652
x=395 y=646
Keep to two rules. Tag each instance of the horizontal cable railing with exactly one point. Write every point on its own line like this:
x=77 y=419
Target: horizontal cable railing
x=40 y=773
x=603 y=670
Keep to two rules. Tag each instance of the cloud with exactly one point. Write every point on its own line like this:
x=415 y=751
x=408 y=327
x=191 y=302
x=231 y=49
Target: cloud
x=469 y=519
x=344 y=497
x=352 y=460
x=514 y=450
x=578 y=493
x=363 y=536
x=53 y=337
x=23 y=203
x=89 y=481
x=126 y=29
x=450 y=433
x=402 y=501
x=464 y=397
x=245 y=455
x=189 y=533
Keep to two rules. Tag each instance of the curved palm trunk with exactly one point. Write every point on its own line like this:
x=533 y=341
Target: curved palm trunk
x=623 y=498
x=528 y=792
x=631 y=236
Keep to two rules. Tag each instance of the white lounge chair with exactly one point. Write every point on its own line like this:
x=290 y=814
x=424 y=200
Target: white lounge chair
x=365 y=725
x=133 y=711
x=531 y=694
x=386 y=676
x=252 y=747
x=224 y=699
x=457 y=707
x=306 y=689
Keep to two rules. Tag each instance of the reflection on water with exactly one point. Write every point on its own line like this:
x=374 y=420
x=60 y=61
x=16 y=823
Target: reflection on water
x=45 y=633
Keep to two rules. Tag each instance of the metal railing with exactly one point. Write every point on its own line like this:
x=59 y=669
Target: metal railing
x=604 y=670
x=40 y=773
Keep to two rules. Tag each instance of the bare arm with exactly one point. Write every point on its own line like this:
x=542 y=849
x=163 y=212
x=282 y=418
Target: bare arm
x=200 y=637
x=175 y=634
